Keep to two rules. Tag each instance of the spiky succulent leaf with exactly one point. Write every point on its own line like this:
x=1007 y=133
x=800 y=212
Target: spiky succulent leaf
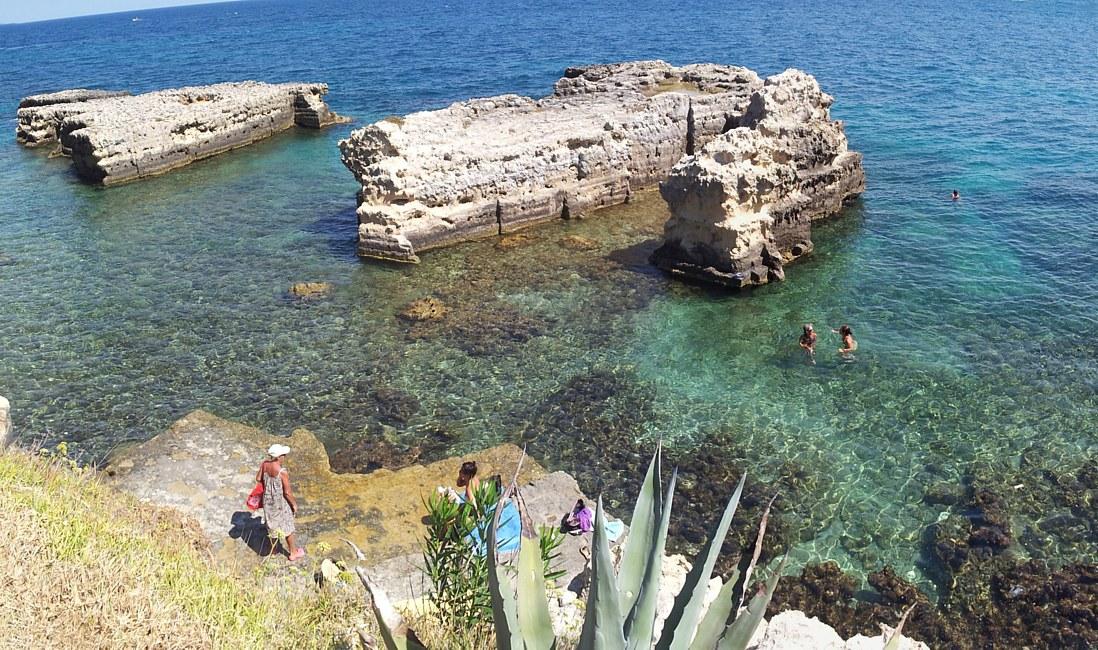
x=641 y=621
x=504 y=608
x=395 y=633
x=642 y=535
x=897 y=634
x=679 y=626
x=602 y=622
x=533 y=608
x=739 y=633
x=716 y=617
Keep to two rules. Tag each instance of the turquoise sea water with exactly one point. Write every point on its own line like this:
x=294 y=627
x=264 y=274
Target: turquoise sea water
x=123 y=309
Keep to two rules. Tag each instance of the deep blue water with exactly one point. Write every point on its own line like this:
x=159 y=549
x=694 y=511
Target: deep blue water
x=978 y=321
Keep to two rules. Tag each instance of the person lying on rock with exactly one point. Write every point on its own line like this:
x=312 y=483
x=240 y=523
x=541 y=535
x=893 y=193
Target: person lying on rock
x=279 y=503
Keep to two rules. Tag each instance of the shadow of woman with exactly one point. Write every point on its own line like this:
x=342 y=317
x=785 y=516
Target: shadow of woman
x=251 y=530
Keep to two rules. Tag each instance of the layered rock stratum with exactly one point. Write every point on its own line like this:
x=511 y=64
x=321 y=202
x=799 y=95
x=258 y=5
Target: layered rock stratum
x=113 y=137
x=742 y=207
x=491 y=166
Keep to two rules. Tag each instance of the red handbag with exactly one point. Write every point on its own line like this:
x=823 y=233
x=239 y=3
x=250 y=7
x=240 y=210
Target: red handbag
x=255 y=499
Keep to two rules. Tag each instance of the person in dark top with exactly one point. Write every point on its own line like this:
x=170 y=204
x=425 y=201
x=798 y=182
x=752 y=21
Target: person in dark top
x=808 y=339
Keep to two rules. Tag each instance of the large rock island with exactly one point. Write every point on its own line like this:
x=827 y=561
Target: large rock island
x=113 y=137
x=490 y=166
x=744 y=204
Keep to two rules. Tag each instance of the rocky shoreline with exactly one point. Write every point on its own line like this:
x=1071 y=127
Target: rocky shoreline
x=113 y=137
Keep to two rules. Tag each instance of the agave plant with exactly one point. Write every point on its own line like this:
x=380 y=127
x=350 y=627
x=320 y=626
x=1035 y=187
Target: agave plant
x=621 y=604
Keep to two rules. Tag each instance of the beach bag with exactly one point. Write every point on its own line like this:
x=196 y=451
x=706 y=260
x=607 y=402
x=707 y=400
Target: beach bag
x=255 y=499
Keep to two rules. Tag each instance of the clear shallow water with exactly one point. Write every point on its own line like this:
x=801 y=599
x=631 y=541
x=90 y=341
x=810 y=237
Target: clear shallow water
x=978 y=322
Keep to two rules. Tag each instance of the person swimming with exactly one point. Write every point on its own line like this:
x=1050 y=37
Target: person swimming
x=956 y=195
x=849 y=343
x=808 y=340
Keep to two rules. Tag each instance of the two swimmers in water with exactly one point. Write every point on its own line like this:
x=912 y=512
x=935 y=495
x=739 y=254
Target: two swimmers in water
x=808 y=341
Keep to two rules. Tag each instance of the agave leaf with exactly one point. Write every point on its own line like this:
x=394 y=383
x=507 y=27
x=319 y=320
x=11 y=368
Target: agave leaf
x=395 y=633
x=716 y=617
x=641 y=622
x=642 y=535
x=894 y=640
x=739 y=633
x=758 y=550
x=679 y=626
x=504 y=607
x=533 y=608
x=602 y=623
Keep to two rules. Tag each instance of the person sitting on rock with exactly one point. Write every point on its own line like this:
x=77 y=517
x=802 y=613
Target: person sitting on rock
x=279 y=503
x=849 y=344
x=580 y=520
x=808 y=339
x=467 y=478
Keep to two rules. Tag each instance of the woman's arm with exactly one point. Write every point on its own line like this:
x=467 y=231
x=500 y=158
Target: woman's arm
x=259 y=473
x=289 y=494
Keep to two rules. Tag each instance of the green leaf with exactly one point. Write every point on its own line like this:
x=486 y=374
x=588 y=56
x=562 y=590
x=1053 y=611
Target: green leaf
x=738 y=635
x=897 y=634
x=642 y=535
x=504 y=608
x=533 y=608
x=679 y=626
x=394 y=632
x=641 y=622
x=716 y=617
x=602 y=623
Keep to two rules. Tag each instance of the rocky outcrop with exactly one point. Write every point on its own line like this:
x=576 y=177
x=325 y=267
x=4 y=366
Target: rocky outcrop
x=491 y=166
x=205 y=466
x=113 y=137
x=742 y=207
x=39 y=116
x=5 y=422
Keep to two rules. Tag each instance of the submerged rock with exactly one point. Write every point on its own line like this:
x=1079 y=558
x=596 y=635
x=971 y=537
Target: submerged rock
x=742 y=207
x=424 y=309
x=113 y=137
x=488 y=166
x=579 y=243
x=310 y=289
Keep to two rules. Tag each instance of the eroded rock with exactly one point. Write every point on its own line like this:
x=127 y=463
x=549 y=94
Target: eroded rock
x=424 y=309
x=742 y=207
x=488 y=166
x=114 y=137
x=310 y=289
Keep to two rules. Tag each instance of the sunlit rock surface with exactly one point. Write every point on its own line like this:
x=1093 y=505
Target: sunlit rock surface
x=742 y=207
x=490 y=166
x=113 y=137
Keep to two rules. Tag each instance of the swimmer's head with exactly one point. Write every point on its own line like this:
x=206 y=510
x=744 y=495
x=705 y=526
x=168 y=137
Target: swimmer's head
x=808 y=328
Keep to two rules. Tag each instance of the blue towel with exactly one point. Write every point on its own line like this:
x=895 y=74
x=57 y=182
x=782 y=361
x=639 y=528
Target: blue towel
x=509 y=534
x=614 y=529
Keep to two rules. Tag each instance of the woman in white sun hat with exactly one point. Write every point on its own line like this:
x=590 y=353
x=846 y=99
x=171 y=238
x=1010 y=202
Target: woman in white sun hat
x=279 y=504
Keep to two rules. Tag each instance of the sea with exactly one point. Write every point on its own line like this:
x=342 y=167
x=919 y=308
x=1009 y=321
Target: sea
x=123 y=309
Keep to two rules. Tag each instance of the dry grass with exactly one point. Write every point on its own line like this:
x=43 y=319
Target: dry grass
x=89 y=567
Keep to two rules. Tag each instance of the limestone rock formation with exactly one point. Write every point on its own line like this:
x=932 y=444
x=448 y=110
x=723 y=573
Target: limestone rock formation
x=742 y=207
x=490 y=166
x=307 y=290
x=113 y=137
x=39 y=116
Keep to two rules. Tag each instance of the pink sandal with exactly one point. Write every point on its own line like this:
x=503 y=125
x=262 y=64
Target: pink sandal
x=297 y=555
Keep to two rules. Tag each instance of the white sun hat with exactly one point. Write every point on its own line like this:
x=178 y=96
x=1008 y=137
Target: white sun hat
x=277 y=450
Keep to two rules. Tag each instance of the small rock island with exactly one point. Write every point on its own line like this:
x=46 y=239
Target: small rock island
x=752 y=163
x=743 y=206
x=114 y=137
x=490 y=166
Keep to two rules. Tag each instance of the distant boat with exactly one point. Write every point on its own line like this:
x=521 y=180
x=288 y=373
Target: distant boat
x=135 y=20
